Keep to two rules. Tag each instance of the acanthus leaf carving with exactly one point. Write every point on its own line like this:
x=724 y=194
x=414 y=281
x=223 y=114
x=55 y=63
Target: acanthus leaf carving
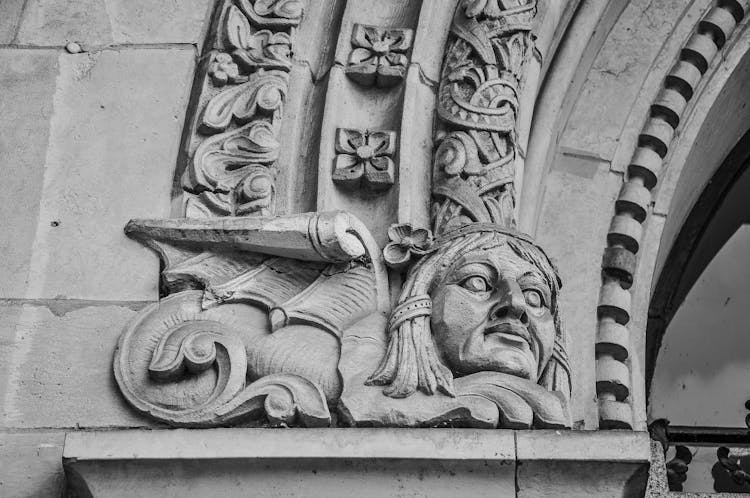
x=234 y=172
x=264 y=49
x=263 y=95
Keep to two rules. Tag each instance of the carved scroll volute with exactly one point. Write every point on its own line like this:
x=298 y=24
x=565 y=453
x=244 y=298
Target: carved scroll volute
x=232 y=149
x=250 y=333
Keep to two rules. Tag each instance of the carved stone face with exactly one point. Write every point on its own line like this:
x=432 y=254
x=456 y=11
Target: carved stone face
x=491 y=312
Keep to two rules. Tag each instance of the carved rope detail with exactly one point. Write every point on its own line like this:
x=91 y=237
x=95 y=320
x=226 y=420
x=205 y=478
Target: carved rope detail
x=233 y=169
x=632 y=205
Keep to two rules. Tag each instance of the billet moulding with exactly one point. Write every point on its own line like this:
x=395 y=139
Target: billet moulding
x=709 y=37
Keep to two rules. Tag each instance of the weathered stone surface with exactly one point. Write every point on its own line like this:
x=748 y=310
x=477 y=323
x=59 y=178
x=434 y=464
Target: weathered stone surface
x=56 y=366
x=114 y=134
x=316 y=38
x=430 y=37
x=551 y=479
x=574 y=464
x=572 y=201
x=615 y=79
x=377 y=462
x=10 y=15
x=27 y=80
x=600 y=446
x=30 y=464
x=96 y=23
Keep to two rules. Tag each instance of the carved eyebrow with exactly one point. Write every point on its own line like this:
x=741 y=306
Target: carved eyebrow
x=535 y=277
x=474 y=267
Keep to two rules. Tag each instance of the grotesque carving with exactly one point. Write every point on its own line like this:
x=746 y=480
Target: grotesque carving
x=484 y=300
x=287 y=320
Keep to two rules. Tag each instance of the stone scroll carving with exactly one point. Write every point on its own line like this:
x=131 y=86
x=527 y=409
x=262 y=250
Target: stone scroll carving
x=289 y=320
x=253 y=324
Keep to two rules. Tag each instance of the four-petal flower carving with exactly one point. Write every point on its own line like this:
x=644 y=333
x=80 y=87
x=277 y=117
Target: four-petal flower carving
x=406 y=243
x=364 y=157
x=379 y=55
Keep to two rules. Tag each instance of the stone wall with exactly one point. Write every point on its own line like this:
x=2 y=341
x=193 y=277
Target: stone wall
x=88 y=140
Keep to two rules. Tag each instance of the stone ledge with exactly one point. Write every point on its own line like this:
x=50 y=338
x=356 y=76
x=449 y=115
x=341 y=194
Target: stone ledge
x=379 y=462
x=211 y=444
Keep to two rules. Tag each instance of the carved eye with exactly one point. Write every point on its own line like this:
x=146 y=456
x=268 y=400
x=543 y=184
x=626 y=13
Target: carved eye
x=476 y=284
x=533 y=298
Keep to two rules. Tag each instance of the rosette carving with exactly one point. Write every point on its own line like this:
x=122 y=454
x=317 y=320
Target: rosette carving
x=365 y=159
x=378 y=56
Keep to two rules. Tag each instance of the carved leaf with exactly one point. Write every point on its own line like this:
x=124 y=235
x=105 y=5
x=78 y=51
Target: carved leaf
x=219 y=161
x=280 y=13
x=237 y=28
x=286 y=400
x=348 y=140
x=289 y=9
x=263 y=94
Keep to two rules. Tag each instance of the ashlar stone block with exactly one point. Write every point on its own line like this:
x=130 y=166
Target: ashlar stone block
x=10 y=15
x=56 y=366
x=97 y=23
x=30 y=464
x=114 y=130
x=27 y=79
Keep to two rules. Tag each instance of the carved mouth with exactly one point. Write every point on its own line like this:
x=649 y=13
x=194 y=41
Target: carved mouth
x=509 y=331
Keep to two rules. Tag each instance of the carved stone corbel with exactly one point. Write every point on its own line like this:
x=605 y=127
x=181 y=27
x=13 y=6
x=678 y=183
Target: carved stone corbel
x=251 y=328
x=277 y=320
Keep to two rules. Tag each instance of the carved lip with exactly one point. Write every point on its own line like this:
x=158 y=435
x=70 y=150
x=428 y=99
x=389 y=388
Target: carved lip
x=508 y=328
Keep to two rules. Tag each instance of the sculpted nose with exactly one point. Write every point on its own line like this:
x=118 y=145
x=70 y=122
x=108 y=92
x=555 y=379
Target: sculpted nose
x=510 y=302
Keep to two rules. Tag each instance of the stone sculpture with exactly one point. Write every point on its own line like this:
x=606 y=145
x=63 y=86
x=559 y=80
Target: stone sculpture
x=287 y=319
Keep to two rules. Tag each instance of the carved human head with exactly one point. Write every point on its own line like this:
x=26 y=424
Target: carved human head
x=484 y=300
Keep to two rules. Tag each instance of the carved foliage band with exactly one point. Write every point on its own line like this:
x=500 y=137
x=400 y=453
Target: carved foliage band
x=234 y=150
x=483 y=69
